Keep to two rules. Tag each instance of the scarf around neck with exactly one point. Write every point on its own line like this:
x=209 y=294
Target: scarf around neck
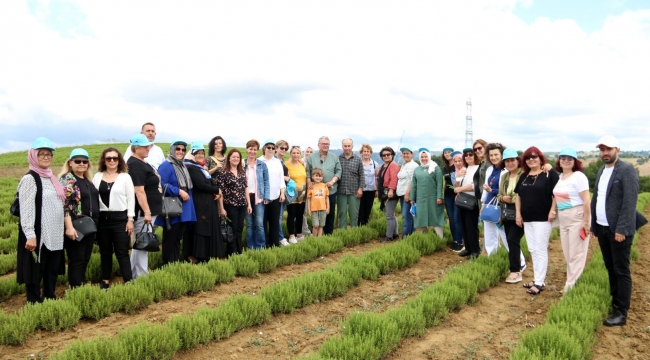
x=182 y=175
x=32 y=158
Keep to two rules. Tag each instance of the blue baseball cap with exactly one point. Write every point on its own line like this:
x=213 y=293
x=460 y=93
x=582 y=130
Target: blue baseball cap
x=408 y=148
x=424 y=149
x=78 y=152
x=196 y=146
x=455 y=153
x=140 y=140
x=178 y=141
x=42 y=143
x=570 y=152
x=291 y=187
x=268 y=141
x=447 y=149
x=510 y=153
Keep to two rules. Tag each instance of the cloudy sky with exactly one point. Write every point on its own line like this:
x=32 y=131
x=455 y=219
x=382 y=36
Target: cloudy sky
x=549 y=73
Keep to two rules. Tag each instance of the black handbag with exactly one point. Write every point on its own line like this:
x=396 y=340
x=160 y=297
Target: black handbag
x=84 y=225
x=508 y=212
x=172 y=205
x=147 y=240
x=466 y=201
x=227 y=233
x=14 y=209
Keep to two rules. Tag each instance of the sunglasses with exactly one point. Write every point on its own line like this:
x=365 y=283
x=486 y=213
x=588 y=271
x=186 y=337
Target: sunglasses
x=270 y=148
x=386 y=155
x=532 y=157
x=112 y=158
x=478 y=148
x=283 y=148
x=566 y=158
x=79 y=161
x=180 y=149
x=469 y=154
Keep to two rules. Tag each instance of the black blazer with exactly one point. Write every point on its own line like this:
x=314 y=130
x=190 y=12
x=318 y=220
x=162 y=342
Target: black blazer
x=621 y=198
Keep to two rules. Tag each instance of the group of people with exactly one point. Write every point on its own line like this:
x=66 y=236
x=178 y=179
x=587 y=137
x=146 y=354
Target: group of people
x=125 y=197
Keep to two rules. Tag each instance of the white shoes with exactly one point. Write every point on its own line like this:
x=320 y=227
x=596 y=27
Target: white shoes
x=300 y=238
x=292 y=240
x=284 y=242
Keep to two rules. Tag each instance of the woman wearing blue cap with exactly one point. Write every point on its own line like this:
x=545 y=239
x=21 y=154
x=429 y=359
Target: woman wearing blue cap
x=452 y=212
x=574 y=212
x=40 y=231
x=404 y=177
x=82 y=199
x=175 y=181
x=202 y=239
x=277 y=187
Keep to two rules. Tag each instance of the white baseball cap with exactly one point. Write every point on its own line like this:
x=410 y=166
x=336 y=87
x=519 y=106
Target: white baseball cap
x=609 y=141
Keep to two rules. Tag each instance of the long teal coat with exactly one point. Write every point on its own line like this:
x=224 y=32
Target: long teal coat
x=425 y=190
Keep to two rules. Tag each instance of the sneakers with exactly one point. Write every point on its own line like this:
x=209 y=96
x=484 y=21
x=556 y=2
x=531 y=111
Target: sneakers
x=523 y=268
x=464 y=253
x=284 y=242
x=455 y=247
x=292 y=240
x=513 y=278
x=300 y=238
x=103 y=285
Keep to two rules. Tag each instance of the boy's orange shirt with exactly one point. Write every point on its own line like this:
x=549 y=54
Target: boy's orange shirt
x=318 y=197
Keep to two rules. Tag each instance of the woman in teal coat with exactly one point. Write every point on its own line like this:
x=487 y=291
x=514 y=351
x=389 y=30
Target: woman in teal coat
x=427 y=196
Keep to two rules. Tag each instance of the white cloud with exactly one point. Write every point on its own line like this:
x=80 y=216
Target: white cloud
x=360 y=69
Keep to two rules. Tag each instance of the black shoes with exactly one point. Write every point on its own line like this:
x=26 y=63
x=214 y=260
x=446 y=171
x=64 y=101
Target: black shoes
x=456 y=247
x=473 y=255
x=103 y=285
x=464 y=253
x=615 y=320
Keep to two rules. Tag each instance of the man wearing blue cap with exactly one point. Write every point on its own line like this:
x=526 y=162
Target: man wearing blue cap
x=156 y=155
x=614 y=220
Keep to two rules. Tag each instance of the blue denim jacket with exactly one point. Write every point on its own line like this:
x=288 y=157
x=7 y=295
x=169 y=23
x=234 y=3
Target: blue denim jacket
x=263 y=187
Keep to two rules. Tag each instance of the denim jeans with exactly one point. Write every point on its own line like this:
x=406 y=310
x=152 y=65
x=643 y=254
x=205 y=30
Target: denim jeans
x=255 y=238
x=454 y=219
x=407 y=218
x=282 y=207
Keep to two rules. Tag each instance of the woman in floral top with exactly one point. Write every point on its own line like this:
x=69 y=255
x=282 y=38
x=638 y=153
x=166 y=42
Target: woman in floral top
x=235 y=204
x=82 y=198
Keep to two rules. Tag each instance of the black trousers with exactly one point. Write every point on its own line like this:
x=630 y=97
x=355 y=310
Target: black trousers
x=78 y=257
x=48 y=270
x=237 y=215
x=113 y=238
x=514 y=234
x=616 y=256
x=171 y=246
x=469 y=224
x=329 y=219
x=294 y=218
x=271 y=223
x=365 y=207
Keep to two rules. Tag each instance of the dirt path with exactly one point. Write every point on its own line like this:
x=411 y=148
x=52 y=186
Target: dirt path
x=633 y=340
x=494 y=324
x=44 y=342
x=285 y=336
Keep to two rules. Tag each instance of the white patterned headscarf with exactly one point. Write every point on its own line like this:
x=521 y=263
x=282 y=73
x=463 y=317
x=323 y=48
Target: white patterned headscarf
x=431 y=165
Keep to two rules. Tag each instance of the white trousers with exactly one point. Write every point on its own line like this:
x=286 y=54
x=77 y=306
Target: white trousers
x=491 y=235
x=575 y=249
x=139 y=258
x=538 y=234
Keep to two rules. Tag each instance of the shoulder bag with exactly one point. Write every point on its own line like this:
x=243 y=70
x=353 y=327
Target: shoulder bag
x=84 y=225
x=146 y=240
x=491 y=211
x=172 y=205
x=466 y=201
x=14 y=209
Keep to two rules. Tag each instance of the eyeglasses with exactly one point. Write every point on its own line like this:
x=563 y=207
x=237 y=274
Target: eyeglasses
x=386 y=155
x=324 y=144
x=566 y=158
x=270 y=148
x=79 y=161
x=180 y=149
x=283 y=148
x=111 y=158
x=44 y=156
x=532 y=157
x=478 y=148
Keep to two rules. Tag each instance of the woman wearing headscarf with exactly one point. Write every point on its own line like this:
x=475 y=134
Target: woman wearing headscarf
x=404 y=177
x=146 y=185
x=387 y=182
x=116 y=213
x=235 y=200
x=216 y=156
x=467 y=182
x=450 y=204
x=535 y=208
x=175 y=181
x=426 y=195
x=40 y=231
x=202 y=240
x=82 y=199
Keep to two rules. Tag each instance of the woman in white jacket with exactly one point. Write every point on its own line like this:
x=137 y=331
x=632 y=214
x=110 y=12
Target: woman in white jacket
x=116 y=211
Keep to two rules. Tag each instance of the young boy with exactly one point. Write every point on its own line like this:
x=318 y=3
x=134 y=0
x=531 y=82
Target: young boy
x=318 y=203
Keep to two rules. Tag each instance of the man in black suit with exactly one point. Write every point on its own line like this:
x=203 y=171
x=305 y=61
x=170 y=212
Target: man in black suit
x=614 y=222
